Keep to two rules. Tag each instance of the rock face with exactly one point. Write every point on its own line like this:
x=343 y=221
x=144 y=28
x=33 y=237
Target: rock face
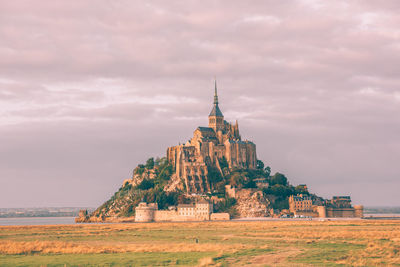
x=83 y=216
x=138 y=177
x=251 y=203
x=116 y=207
x=174 y=184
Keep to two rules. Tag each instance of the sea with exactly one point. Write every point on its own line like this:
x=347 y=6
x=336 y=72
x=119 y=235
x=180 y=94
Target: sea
x=37 y=221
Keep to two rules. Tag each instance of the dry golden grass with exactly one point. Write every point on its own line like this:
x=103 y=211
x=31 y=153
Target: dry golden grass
x=12 y=247
x=374 y=254
x=208 y=261
x=355 y=243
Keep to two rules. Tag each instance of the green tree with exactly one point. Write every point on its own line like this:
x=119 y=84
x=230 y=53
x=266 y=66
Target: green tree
x=249 y=184
x=166 y=171
x=281 y=204
x=150 y=163
x=237 y=179
x=267 y=171
x=146 y=184
x=260 y=165
x=227 y=205
x=139 y=169
x=300 y=189
x=278 y=178
x=280 y=190
x=223 y=163
x=220 y=187
x=214 y=176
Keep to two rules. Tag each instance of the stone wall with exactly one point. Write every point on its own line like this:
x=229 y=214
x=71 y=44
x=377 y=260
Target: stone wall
x=219 y=217
x=340 y=212
x=333 y=212
x=184 y=212
x=166 y=215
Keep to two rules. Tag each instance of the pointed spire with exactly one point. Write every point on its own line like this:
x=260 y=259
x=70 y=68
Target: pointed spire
x=216 y=111
x=216 y=93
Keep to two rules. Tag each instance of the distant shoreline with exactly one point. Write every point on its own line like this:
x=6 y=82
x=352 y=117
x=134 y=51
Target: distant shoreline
x=40 y=216
x=37 y=221
x=44 y=212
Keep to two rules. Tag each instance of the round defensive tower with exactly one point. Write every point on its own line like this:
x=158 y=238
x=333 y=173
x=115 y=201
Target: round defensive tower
x=359 y=211
x=321 y=211
x=144 y=213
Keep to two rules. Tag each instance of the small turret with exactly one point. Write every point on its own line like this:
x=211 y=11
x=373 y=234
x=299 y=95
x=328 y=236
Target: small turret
x=236 y=131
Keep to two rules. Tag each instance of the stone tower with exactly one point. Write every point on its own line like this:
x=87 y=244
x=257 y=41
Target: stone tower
x=216 y=118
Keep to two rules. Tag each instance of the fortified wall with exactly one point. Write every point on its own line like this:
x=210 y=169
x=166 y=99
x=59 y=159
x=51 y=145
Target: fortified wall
x=200 y=211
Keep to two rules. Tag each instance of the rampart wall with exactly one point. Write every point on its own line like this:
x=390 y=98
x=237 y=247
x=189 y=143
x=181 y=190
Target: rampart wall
x=219 y=217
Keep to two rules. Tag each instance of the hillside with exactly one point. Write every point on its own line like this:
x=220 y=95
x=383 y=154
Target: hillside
x=257 y=192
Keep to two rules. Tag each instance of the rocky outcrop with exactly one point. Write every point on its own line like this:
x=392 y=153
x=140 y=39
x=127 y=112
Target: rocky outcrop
x=121 y=204
x=174 y=184
x=140 y=174
x=82 y=217
x=252 y=203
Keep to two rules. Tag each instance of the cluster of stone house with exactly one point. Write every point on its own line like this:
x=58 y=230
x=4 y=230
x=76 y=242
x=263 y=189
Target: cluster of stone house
x=199 y=211
x=337 y=207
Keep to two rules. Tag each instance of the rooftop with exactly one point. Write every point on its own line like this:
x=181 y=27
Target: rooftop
x=216 y=111
x=185 y=206
x=205 y=129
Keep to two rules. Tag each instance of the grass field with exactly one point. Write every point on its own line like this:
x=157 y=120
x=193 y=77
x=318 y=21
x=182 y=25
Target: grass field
x=268 y=243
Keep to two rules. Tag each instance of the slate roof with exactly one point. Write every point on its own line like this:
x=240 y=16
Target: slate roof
x=205 y=129
x=216 y=111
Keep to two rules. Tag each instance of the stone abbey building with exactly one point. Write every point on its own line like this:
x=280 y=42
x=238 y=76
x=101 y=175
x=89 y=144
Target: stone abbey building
x=220 y=140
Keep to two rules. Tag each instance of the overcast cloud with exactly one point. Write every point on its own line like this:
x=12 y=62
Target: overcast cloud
x=89 y=89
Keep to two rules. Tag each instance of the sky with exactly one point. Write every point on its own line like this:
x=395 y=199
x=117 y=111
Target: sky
x=90 y=89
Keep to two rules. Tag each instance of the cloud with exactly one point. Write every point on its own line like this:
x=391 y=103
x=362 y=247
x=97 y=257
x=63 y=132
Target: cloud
x=313 y=83
x=261 y=19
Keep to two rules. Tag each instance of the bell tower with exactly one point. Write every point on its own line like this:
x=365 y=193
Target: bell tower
x=216 y=118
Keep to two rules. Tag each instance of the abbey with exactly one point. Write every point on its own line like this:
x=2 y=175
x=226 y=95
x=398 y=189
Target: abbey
x=219 y=142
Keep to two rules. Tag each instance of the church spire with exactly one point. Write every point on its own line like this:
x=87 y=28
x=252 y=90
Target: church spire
x=216 y=119
x=216 y=93
x=216 y=111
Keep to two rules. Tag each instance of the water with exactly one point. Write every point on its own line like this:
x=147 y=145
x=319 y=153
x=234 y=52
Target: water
x=37 y=221
x=378 y=215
